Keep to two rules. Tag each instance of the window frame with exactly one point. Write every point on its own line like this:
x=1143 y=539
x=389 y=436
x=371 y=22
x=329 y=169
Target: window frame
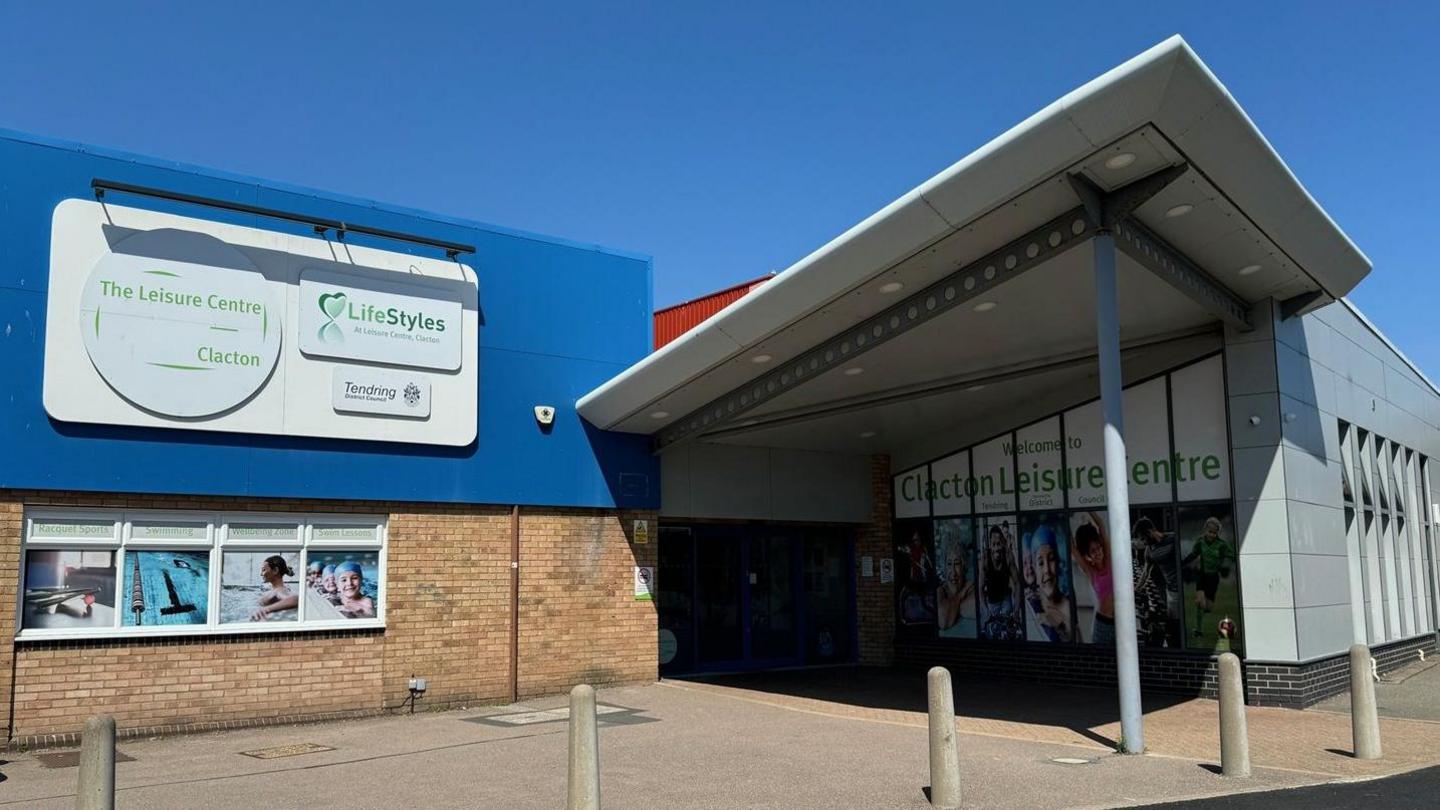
x=216 y=544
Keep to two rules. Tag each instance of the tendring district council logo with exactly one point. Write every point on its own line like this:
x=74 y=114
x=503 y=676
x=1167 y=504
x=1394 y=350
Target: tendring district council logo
x=180 y=338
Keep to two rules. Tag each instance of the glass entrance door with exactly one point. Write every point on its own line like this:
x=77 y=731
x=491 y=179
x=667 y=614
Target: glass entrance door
x=774 y=624
x=735 y=597
x=719 y=598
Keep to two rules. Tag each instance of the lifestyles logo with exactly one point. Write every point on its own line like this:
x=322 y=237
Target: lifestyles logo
x=332 y=304
x=335 y=304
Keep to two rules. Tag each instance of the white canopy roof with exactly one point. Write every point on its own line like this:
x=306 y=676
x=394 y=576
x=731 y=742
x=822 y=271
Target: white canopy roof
x=1163 y=108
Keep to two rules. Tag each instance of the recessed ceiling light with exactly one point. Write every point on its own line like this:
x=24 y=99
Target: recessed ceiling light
x=1249 y=269
x=891 y=287
x=979 y=387
x=1120 y=161
x=761 y=358
x=985 y=306
x=853 y=370
x=1179 y=210
x=869 y=434
x=659 y=414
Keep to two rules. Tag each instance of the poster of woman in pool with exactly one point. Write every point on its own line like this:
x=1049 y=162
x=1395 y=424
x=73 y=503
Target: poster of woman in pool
x=260 y=586
x=165 y=588
x=342 y=585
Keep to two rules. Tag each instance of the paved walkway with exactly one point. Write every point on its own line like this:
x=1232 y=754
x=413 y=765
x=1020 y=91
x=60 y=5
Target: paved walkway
x=1411 y=692
x=1315 y=743
x=720 y=745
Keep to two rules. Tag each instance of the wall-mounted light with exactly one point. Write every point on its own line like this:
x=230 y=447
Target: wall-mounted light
x=1254 y=421
x=1120 y=161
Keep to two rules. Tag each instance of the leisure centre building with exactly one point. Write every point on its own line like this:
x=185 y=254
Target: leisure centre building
x=1087 y=407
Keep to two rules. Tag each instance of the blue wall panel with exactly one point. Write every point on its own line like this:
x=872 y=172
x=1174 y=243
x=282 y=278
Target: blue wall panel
x=557 y=319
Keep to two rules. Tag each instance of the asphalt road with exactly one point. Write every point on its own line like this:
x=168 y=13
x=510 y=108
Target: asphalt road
x=1416 y=789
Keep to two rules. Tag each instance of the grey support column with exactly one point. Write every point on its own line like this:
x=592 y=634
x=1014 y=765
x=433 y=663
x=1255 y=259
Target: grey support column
x=1117 y=493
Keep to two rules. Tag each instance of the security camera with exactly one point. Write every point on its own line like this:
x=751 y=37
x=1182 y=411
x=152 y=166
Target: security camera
x=544 y=414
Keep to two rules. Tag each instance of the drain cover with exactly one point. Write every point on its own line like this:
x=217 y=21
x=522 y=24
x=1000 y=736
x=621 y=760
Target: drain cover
x=527 y=718
x=70 y=759
x=281 y=751
x=606 y=715
x=1070 y=761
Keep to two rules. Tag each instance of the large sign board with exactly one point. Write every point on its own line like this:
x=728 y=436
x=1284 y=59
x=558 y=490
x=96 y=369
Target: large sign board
x=158 y=320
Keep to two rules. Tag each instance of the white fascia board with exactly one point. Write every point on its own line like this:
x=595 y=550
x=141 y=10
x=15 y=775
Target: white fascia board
x=1167 y=86
x=1226 y=145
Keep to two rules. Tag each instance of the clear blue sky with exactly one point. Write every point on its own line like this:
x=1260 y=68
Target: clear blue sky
x=725 y=140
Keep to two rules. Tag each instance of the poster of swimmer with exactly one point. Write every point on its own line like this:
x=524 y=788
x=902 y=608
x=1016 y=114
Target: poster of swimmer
x=259 y=586
x=955 y=592
x=1000 y=616
x=165 y=588
x=342 y=585
x=1045 y=572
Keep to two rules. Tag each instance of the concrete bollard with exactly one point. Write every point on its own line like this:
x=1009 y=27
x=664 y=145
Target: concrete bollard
x=944 y=757
x=1234 y=736
x=96 y=790
x=1364 y=721
x=582 y=787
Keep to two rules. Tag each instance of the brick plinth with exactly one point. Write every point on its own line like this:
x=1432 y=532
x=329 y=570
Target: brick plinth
x=1266 y=684
x=447 y=619
x=1296 y=686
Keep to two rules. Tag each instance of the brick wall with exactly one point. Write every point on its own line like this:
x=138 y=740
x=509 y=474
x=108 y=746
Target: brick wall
x=874 y=602
x=447 y=619
x=579 y=617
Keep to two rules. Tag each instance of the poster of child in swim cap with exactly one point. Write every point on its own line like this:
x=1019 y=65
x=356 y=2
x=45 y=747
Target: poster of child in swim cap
x=346 y=585
x=1045 y=572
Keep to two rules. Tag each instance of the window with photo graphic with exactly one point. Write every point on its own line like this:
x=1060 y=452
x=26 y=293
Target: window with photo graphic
x=1045 y=572
x=1001 y=617
x=342 y=585
x=259 y=586
x=1208 y=565
x=68 y=590
x=165 y=588
x=955 y=605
